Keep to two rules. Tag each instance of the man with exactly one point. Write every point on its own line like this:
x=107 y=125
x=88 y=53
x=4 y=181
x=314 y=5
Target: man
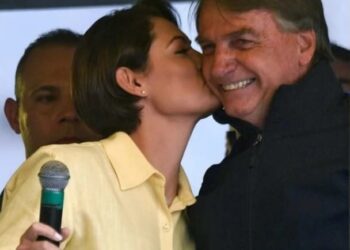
x=341 y=66
x=43 y=112
x=284 y=185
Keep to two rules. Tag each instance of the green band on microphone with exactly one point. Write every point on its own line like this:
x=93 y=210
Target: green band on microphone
x=52 y=197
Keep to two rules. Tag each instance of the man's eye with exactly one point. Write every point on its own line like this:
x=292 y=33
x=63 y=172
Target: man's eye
x=207 y=49
x=243 y=44
x=45 y=98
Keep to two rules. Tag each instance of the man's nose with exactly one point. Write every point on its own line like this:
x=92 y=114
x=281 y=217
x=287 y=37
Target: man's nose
x=223 y=62
x=68 y=112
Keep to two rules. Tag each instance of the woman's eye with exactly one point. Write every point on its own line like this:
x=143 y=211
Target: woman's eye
x=183 y=50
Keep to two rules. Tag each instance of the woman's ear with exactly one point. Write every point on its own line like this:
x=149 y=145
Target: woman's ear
x=307 y=46
x=130 y=81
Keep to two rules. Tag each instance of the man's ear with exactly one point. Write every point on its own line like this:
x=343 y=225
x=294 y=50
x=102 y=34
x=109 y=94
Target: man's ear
x=307 y=46
x=11 y=112
x=130 y=81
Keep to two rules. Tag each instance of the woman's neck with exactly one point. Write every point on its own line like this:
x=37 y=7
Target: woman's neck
x=163 y=143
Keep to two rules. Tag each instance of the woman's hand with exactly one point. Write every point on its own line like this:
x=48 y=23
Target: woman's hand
x=29 y=240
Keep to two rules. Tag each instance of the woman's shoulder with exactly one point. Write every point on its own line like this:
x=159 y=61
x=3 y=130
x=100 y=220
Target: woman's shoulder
x=74 y=156
x=72 y=152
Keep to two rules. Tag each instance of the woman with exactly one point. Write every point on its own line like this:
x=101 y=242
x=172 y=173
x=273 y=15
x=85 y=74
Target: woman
x=137 y=81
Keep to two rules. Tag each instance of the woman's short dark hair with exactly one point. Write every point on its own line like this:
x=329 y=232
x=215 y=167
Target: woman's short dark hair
x=291 y=15
x=120 y=39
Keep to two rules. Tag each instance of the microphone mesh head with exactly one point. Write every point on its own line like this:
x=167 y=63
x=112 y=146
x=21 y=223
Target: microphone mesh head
x=54 y=175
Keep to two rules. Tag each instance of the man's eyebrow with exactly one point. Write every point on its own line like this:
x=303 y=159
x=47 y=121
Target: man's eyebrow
x=233 y=34
x=47 y=88
x=241 y=32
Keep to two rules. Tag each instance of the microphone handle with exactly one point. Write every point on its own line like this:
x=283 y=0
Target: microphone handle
x=51 y=211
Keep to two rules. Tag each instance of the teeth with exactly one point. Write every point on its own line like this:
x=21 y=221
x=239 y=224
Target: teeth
x=237 y=85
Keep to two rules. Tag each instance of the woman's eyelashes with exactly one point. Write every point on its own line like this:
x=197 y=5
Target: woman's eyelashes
x=183 y=50
x=184 y=47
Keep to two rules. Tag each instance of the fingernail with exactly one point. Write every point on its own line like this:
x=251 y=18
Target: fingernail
x=58 y=237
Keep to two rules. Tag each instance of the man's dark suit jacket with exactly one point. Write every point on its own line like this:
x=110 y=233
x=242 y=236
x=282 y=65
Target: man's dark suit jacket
x=286 y=187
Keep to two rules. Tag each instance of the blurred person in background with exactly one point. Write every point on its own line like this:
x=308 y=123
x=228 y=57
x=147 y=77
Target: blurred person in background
x=341 y=66
x=43 y=111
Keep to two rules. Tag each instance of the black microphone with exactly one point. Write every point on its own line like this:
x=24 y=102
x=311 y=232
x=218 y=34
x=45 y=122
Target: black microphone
x=54 y=176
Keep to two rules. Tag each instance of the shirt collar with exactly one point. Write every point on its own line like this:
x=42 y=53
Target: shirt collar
x=133 y=169
x=128 y=162
x=185 y=196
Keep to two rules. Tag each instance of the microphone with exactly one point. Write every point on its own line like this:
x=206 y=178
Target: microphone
x=53 y=176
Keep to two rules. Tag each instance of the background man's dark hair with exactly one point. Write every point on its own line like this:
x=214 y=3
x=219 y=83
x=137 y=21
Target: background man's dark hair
x=62 y=37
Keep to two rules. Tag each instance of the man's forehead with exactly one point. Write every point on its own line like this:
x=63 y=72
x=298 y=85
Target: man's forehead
x=238 y=23
x=48 y=51
x=232 y=34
